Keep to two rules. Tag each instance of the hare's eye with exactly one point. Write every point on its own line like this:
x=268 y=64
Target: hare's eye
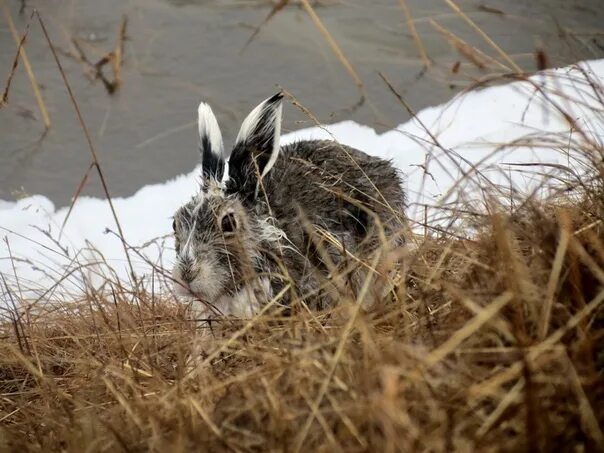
x=228 y=224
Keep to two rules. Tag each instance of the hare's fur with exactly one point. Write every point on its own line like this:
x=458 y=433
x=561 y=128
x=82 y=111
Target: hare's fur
x=284 y=219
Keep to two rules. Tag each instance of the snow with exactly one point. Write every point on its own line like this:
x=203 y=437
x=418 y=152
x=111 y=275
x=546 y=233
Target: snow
x=470 y=130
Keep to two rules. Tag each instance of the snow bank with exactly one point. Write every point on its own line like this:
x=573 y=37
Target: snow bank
x=471 y=128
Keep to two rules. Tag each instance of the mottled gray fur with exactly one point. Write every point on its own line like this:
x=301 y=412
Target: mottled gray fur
x=247 y=234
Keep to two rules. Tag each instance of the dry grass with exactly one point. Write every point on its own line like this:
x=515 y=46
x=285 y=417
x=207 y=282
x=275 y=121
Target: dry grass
x=489 y=343
x=19 y=41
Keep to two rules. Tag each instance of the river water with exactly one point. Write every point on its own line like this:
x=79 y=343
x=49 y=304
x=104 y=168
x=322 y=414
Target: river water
x=178 y=52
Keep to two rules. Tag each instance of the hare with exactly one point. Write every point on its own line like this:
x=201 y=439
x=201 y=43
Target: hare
x=280 y=221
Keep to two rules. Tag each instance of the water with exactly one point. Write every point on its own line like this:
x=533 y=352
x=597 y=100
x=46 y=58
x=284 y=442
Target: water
x=179 y=52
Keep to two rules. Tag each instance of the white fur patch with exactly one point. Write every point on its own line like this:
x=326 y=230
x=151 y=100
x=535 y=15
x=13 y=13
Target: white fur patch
x=244 y=304
x=208 y=281
x=270 y=233
x=208 y=127
x=187 y=247
x=216 y=188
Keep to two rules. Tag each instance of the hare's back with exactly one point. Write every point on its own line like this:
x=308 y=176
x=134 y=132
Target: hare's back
x=336 y=167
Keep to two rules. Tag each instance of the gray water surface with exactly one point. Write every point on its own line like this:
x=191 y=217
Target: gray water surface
x=179 y=52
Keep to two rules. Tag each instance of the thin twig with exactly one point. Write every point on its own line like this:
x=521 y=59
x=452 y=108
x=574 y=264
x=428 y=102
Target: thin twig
x=334 y=45
x=90 y=145
x=477 y=57
x=9 y=80
x=28 y=68
x=484 y=36
x=118 y=53
x=418 y=41
x=76 y=195
x=275 y=9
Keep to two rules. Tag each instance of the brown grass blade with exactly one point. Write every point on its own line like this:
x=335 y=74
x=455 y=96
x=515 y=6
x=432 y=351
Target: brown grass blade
x=469 y=329
x=418 y=41
x=334 y=46
x=488 y=387
x=274 y=10
x=28 y=68
x=90 y=144
x=473 y=54
x=75 y=197
x=586 y=410
x=118 y=52
x=565 y=226
x=336 y=358
x=206 y=418
x=9 y=79
x=484 y=36
x=511 y=397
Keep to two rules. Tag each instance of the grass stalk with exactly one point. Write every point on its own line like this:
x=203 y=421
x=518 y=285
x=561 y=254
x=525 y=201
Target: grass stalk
x=27 y=66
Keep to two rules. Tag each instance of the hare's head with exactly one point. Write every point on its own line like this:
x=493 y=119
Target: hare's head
x=219 y=232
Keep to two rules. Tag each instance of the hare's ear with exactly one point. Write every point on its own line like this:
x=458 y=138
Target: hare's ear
x=257 y=145
x=210 y=143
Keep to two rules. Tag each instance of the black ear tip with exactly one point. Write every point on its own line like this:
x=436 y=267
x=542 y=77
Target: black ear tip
x=275 y=98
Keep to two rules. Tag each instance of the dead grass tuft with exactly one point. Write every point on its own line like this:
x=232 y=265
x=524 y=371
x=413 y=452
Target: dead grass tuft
x=490 y=343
